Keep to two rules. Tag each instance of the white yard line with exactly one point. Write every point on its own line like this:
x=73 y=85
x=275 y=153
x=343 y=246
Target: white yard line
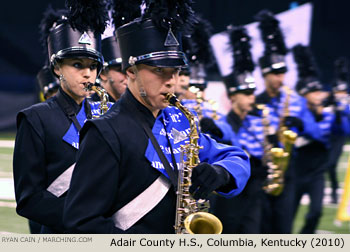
x=346 y=147
x=7 y=143
x=7 y=191
x=6 y=174
x=8 y=204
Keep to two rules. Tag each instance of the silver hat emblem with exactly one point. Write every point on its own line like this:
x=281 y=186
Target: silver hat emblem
x=85 y=39
x=171 y=39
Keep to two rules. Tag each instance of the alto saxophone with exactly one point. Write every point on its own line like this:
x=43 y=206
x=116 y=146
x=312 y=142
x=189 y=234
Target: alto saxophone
x=104 y=99
x=287 y=137
x=280 y=157
x=274 y=159
x=200 y=100
x=190 y=214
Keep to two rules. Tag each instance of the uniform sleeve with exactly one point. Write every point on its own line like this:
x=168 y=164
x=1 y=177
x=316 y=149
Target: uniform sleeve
x=33 y=201
x=311 y=128
x=341 y=123
x=227 y=132
x=93 y=186
x=232 y=158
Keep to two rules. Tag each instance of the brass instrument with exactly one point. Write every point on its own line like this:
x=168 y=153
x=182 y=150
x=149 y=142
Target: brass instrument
x=102 y=94
x=200 y=99
x=274 y=158
x=277 y=156
x=190 y=214
x=287 y=137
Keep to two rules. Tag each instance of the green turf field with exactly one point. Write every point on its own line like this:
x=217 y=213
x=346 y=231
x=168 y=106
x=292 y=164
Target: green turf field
x=10 y=222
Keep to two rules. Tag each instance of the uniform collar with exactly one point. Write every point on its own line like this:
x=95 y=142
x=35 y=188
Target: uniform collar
x=146 y=113
x=72 y=103
x=234 y=120
x=264 y=98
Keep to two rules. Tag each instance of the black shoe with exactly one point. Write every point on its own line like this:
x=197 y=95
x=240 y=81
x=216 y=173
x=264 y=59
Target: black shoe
x=334 y=197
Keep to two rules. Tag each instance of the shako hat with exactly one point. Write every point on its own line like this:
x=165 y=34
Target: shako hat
x=241 y=77
x=154 y=38
x=47 y=82
x=273 y=59
x=308 y=79
x=341 y=80
x=78 y=33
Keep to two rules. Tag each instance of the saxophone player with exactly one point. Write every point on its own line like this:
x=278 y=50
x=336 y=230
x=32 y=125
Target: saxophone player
x=287 y=111
x=126 y=170
x=339 y=99
x=47 y=137
x=112 y=78
x=244 y=128
x=312 y=153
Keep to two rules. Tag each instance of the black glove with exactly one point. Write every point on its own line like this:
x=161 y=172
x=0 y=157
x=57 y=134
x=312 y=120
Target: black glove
x=207 y=178
x=273 y=140
x=291 y=121
x=208 y=126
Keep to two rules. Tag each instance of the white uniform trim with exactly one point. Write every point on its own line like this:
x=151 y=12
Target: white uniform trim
x=61 y=184
x=129 y=214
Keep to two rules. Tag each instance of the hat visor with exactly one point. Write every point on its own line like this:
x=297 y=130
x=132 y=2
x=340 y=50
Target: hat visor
x=168 y=62
x=81 y=54
x=278 y=70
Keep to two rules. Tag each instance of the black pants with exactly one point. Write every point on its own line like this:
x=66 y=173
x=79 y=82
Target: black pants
x=314 y=187
x=34 y=227
x=241 y=214
x=277 y=215
x=309 y=166
x=334 y=154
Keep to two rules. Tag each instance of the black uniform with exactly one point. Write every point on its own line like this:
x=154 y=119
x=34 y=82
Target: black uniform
x=40 y=156
x=112 y=170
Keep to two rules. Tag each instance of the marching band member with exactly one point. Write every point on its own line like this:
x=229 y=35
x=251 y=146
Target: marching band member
x=140 y=137
x=242 y=214
x=48 y=83
x=47 y=137
x=112 y=78
x=339 y=99
x=311 y=153
x=287 y=109
x=199 y=52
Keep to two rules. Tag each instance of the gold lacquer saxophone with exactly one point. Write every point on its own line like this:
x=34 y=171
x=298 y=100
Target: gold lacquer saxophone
x=190 y=214
x=287 y=137
x=274 y=158
x=200 y=100
x=104 y=99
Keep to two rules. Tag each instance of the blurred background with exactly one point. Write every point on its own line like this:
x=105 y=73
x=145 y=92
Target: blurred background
x=21 y=57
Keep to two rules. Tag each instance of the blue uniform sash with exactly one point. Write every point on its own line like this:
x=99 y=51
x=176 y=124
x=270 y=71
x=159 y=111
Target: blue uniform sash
x=177 y=128
x=72 y=135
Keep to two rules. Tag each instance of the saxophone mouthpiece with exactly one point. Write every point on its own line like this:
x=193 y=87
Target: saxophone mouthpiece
x=171 y=98
x=88 y=86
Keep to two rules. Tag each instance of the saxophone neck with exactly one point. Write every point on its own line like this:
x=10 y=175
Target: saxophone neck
x=172 y=99
x=104 y=99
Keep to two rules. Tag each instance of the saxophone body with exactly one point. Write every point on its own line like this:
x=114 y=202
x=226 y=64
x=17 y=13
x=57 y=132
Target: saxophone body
x=287 y=137
x=200 y=100
x=191 y=216
x=280 y=156
x=104 y=99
